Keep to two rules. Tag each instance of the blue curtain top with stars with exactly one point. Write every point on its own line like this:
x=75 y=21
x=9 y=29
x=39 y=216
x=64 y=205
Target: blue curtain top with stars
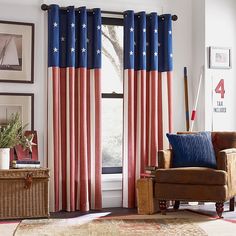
x=148 y=41
x=74 y=37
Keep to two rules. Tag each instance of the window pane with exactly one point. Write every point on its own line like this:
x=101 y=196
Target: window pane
x=112 y=126
x=112 y=59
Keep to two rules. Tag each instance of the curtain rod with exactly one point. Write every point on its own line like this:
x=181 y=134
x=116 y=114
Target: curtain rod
x=45 y=7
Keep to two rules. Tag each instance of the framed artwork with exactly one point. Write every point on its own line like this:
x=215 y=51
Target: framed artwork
x=23 y=103
x=219 y=58
x=16 y=52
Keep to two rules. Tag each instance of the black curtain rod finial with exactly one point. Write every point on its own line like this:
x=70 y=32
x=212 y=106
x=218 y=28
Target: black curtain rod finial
x=44 y=7
x=174 y=17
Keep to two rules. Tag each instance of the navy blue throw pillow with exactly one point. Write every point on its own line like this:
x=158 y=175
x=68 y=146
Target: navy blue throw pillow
x=192 y=150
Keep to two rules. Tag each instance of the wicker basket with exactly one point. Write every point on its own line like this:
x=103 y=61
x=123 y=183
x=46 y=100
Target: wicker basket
x=24 y=193
x=147 y=204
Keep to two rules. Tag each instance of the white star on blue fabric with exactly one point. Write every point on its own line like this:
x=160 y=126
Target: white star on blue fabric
x=62 y=39
x=134 y=43
x=144 y=30
x=72 y=49
x=72 y=25
x=98 y=51
x=55 y=50
x=147 y=43
x=98 y=27
x=155 y=31
x=131 y=29
x=87 y=40
x=131 y=53
x=55 y=24
x=83 y=26
x=144 y=53
x=155 y=54
x=171 y=55
x=83 y=49
x=170 y=32
x=159 y=44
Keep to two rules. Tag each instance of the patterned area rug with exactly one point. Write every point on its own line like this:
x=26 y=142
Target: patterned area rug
x=182 y=222
x=112 y=227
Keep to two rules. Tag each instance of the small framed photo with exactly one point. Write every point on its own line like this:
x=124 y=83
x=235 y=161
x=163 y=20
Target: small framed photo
x=16 y=52
x=21 y=103
x=219 y=58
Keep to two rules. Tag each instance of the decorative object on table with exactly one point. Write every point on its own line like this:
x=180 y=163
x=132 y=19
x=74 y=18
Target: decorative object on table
x=16 y=52
x=186 y=98
x=219 y=58
x=24 y=193
x=30 y=153
x=193 y=116
x=21 y=103
x=146 y=202
x=10 y=136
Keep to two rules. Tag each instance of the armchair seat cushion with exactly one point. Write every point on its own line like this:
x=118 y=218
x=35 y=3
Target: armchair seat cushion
x=191 y=175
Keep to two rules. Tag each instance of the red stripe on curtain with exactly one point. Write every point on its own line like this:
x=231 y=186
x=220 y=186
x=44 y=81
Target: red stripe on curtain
x=83 y=151
x=131 y=162
x=72 y=135
x=160 y=117
x=98 y=150
x=153 y=115
x=170 y=100
x=89 y=133
x=63 y=133
x=56 y=103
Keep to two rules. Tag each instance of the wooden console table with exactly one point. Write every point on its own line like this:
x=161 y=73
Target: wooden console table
x=24 y=193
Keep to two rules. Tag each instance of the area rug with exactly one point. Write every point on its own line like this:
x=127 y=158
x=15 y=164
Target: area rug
x=113 y=227
x=181 y=222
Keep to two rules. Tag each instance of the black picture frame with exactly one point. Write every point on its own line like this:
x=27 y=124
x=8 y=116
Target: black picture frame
x=16 y=52
x=26 y=100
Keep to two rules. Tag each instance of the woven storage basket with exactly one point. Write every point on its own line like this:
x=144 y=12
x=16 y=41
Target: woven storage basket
x=24 y=193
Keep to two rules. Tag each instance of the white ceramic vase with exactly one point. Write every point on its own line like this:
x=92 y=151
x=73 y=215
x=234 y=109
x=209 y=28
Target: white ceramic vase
x=4 y=158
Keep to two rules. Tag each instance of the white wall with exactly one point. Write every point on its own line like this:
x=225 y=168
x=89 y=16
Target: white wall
x=29 y=11
x=221 y=32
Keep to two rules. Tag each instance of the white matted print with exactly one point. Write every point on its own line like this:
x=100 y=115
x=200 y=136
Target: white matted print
x=16 y=52
x=219 y=58
x=11 y=103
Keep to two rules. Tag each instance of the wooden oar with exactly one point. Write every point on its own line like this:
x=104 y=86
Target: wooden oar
x=186 y=97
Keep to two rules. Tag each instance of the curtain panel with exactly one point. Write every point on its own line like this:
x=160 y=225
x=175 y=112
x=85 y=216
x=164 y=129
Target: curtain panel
x=147 y=54
x=74 y=108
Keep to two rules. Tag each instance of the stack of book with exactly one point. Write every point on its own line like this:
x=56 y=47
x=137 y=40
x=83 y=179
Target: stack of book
x=24 y=164
x=150 y=172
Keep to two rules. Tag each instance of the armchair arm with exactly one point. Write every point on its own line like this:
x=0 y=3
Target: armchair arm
x=165 y=159
x=226 y=160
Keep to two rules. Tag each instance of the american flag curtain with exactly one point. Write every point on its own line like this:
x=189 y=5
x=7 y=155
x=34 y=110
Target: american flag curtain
x=147 y=53
x=74 y=108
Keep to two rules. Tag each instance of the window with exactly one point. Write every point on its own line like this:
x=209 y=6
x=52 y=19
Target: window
x=112 y=95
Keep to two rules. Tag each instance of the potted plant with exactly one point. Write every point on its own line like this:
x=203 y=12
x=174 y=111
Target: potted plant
x=10 y=136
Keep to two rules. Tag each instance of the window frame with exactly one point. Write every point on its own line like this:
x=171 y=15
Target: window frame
x=118 y=22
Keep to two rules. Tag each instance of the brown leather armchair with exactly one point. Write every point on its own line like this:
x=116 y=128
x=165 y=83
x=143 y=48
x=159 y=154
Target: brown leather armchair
x=198 y=183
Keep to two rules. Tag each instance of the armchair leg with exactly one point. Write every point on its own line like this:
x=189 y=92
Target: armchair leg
x=231 y=204
x=162 y=206
x=219 y=208
x=176 y=205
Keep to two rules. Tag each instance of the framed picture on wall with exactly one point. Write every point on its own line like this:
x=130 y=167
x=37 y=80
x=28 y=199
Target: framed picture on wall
x=21 y=103
x=219 y=58
x=16 y=52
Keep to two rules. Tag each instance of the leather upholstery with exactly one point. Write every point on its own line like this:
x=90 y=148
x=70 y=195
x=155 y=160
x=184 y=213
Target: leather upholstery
x=198 y=183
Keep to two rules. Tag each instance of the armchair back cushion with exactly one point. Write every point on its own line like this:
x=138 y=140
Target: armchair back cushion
x=192 y=150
